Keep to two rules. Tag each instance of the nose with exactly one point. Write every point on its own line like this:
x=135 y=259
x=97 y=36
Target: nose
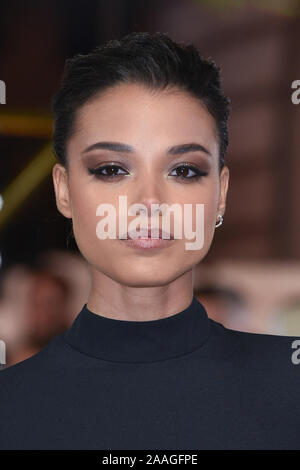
x=149 y=192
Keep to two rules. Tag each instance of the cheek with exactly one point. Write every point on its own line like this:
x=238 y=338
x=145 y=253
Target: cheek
x=203 y=200
x=84 y=204
x=85 y=221
x=210 y=208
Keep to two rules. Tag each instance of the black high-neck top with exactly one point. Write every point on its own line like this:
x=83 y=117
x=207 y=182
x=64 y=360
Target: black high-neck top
x=179 y=382
x=140 y=341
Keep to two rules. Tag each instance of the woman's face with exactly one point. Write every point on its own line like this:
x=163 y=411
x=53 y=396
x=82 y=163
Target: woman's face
x=150 y=123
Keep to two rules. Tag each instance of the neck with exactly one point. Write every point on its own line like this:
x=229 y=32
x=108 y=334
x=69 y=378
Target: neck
x=114 y=300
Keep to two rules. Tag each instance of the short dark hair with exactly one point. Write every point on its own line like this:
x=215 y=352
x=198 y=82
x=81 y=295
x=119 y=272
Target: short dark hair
x=151 y=59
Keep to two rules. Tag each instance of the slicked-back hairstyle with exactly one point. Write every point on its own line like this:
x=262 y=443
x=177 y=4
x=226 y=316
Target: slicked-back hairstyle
x=153 y=60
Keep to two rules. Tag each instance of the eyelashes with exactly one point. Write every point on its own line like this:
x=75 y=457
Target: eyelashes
x=111 y=171
x=116 y=172
x=186 y=169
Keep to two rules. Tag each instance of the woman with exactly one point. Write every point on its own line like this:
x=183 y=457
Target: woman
x=142 y=366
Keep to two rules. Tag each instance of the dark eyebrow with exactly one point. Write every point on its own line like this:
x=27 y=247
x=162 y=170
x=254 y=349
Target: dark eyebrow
x=119 y=147
x=115 y=146
x=184 y=148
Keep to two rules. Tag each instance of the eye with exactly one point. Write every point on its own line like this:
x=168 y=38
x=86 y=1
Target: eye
x=188 y=172
x=108 y=171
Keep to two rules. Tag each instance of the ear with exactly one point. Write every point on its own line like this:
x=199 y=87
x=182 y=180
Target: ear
x=224 y=180
x=61 y=189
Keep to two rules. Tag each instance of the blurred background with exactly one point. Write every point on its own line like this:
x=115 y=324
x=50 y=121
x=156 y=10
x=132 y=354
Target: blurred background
x=250 y=280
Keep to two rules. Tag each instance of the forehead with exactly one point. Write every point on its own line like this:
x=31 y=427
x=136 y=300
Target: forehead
x=135 y=114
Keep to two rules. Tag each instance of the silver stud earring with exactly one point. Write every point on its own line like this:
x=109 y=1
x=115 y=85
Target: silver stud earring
x=220 y=221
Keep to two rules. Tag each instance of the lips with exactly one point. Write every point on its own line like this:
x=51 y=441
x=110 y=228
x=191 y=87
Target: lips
x=146 y=234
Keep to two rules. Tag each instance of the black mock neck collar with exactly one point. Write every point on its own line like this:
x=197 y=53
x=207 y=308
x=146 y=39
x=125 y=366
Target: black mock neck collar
x=139 y=341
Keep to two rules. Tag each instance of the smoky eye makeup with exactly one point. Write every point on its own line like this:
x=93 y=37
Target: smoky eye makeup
x=188 y=172
x=96 y=158
x=108 y=170
x=116 y=169
x=94 y=164
x=191 y=167
x=184 y=172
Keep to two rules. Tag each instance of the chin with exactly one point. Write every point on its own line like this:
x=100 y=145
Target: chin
x=153 y=276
